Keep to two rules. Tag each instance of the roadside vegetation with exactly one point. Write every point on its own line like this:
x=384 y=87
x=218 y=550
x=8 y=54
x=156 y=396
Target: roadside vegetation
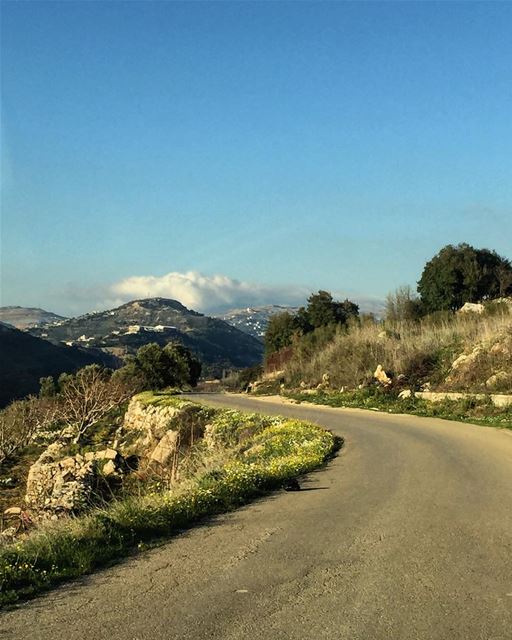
x=76 y=402
x=82 y=410
x=454 y=335
x=471 y=409
x=445 y=351
x=240 y=456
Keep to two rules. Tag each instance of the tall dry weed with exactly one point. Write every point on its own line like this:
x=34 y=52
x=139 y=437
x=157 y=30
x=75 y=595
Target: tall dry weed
x=420 y=350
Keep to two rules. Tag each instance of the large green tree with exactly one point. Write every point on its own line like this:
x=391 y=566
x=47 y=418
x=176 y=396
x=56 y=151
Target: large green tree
x=321 y=311
x=154 y=367
x=280 y=330
x=461 y=273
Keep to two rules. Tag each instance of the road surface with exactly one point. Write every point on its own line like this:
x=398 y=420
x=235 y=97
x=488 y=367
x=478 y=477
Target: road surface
x=407 y=534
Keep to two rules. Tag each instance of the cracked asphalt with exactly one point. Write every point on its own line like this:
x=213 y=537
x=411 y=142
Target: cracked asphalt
x=407 y=534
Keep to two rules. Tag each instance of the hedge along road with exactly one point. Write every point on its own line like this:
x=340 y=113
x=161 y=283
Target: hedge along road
x=407 y=534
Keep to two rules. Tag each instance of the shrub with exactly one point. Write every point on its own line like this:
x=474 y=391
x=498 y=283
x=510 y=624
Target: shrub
x=19 y=423
x=154 y=367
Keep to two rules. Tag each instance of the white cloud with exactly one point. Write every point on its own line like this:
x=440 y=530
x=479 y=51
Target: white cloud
x=207 y=293
x=197 y=291
x=219 y=292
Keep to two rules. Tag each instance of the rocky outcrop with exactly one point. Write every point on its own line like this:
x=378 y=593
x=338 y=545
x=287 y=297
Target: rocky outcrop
x=154 y=433
x=487 y=367
x=109 y=462
x=143 y=426
x=166 y=449
x=59 y=484
x=466 y=360
x=472 y=307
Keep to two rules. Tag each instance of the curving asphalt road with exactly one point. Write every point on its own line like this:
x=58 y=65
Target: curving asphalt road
x=407 y=534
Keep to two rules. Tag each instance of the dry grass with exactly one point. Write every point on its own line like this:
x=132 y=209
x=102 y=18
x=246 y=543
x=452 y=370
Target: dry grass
x=421 y=351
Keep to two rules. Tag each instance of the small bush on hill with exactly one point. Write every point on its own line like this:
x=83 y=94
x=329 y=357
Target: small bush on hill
x=241 y=380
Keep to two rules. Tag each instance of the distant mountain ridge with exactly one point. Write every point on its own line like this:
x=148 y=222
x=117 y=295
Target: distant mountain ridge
x=24 y=317
x=123 y=330
x=25 y=359
x=254 y=320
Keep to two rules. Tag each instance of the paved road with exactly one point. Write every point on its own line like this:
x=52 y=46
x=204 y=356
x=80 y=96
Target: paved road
x=406 y=535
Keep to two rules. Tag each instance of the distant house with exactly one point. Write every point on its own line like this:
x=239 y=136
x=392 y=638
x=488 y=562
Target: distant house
x=137 y=328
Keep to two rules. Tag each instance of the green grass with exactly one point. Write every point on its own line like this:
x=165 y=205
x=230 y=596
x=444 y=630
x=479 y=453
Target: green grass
x=168 y=398
x=468 y=409
x=258 y=454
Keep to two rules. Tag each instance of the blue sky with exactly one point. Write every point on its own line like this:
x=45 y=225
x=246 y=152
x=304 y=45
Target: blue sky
x=248 y=152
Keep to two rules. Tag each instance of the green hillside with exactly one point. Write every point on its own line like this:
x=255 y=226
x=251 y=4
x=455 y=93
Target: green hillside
x=123 y=330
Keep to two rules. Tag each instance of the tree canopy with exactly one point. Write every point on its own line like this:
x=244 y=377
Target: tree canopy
x=461 y=273
x=156 y=368
x=321 y=311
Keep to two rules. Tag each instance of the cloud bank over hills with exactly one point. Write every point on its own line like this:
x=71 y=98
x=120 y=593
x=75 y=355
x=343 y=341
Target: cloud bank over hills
x=204 y=293
x=207 y=293
x=220 y=292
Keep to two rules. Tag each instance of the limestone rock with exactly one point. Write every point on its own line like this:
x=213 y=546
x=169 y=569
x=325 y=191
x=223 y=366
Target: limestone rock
x=104 y=454
x=381 y=376
x=386 y=334
x=209 y=435
x=109 y=469
x=8 y=535
x=498 y=379
x=466 y=360
x=325 y=384
x=406 y=393
x=108 y=460
x=458 y=361
x=471 y=307
x=146 y=429
x=59 y=486
x=166 y=448
x=500 y=349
